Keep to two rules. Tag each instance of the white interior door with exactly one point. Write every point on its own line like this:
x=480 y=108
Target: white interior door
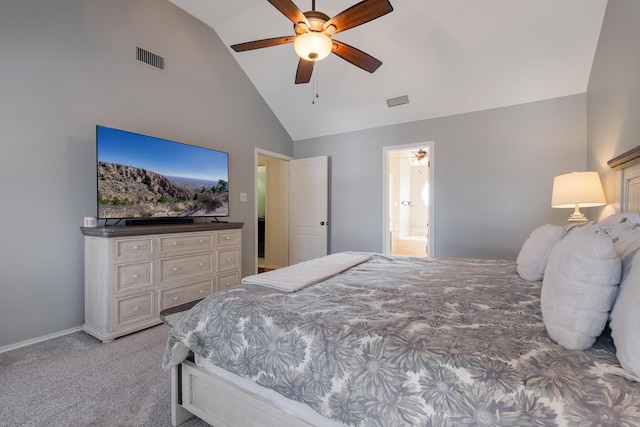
x=309 y=208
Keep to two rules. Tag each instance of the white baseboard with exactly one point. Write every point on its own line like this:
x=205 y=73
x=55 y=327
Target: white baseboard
x=39 y=339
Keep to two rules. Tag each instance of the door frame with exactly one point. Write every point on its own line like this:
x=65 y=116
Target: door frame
x=386 y=241
x=266 y=153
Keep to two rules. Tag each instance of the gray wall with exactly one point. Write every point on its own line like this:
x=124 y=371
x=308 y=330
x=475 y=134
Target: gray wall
x=613 y=98
x=494 y=172
x=68 y=65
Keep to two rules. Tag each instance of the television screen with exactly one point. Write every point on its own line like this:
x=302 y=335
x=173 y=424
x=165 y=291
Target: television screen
x=142 y=176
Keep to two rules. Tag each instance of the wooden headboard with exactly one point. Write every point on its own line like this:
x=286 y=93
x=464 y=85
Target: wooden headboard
x=628 y=164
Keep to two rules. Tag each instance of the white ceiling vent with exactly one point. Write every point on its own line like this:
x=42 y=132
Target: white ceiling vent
x=399 y=100
x=150 y=58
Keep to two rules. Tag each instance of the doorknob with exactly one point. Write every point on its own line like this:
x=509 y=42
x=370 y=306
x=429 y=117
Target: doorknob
x=321 y=222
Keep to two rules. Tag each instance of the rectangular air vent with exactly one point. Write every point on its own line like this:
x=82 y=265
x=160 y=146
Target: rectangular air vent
x=399 y=100
x=149 y=58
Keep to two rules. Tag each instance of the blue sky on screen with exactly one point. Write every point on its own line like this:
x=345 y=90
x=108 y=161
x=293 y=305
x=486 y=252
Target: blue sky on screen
x=162 y=156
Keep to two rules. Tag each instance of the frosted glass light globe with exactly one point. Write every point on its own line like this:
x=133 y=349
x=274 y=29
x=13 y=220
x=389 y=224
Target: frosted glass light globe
x=313 y=46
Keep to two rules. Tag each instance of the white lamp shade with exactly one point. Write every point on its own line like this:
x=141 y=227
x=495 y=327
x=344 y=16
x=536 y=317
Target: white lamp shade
x=313 y=46
x=577 y=189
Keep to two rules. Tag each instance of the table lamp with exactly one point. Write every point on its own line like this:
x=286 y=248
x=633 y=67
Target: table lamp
x=577 y=190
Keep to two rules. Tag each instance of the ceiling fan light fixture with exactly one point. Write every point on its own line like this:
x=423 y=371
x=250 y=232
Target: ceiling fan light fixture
x=313 y=46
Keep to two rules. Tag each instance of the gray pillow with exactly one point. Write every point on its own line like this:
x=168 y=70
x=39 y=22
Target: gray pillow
x=625 y=319
x=532 y=259
x=579 y=287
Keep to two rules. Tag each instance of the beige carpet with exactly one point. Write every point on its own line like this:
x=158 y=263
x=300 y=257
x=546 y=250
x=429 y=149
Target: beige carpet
x=75 y=380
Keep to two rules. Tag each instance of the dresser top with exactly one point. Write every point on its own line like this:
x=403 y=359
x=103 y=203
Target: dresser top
x=139 y=230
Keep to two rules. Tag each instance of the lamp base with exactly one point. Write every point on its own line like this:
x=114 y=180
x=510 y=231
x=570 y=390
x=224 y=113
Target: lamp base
x=577 y=216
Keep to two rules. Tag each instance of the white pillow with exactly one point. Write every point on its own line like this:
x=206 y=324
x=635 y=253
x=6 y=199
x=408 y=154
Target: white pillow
x=625 y=319
x=579 y=287
x=532 y=259
x=617 y=225
x=624 y=230
x=627 y=245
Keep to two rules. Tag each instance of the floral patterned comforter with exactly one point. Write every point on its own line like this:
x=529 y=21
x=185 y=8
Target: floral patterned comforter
x=400 y=341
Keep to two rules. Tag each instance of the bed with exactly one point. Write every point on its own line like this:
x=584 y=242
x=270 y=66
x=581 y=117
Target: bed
x=393 y=341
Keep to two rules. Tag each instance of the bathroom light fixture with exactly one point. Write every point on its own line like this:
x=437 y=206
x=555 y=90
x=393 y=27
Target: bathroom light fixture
x=576 y=190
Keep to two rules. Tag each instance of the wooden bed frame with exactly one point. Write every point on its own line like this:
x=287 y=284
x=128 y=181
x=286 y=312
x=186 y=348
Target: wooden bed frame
x=219 y=402
x=628 y=164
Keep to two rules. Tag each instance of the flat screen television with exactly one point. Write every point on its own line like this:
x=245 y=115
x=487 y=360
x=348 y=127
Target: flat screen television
x=142 y=176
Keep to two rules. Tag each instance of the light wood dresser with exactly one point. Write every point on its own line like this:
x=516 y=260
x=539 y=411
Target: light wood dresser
x=133 y=273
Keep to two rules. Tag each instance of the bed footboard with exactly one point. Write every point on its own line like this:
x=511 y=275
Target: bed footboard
x=219 y=402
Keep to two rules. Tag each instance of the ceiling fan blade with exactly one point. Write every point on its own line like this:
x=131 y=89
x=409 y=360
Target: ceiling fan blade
x=305 y=69
x=356 y=56
x=291 y=11
x=259 y=44
x=365 y=11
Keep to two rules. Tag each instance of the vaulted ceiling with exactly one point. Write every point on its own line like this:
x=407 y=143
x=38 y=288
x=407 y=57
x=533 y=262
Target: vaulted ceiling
x=447 y=56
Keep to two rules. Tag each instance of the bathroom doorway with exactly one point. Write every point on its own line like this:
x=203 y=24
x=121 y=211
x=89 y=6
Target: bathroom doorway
x=408 y=207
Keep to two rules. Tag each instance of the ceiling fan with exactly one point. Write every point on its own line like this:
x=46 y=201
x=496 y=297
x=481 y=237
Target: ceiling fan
x=419 y=155
x=313 y=30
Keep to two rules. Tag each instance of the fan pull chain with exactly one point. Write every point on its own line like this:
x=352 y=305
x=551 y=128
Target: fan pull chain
x=314 y=86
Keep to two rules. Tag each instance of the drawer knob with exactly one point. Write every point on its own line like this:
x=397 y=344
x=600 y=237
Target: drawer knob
x=201 y=241
x=200 y=264
x=136 y=247
x=136 y=308
x=174 y=269
x=227 y=238
x=201 y=291
x=228 y=259
x=175 y=243
x=176 y=298
x=227 y=284
x=136 y=276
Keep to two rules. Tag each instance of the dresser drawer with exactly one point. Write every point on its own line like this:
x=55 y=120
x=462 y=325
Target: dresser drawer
x=129 y=249
x=183 y=294
x=134 y=309
x=227 y=280
x=228 y=259
x=228 y=238
x=171 y=268
x=131 y=276
x=186 y=242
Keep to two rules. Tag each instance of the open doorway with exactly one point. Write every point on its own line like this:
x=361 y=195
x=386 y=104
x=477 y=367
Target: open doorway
x=272 y=210
x=292 y=209
x=408 y=201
